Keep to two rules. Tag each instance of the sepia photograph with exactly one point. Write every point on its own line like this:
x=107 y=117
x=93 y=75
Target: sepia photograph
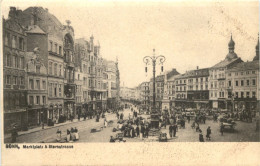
x=113 y=82
x=130 y=72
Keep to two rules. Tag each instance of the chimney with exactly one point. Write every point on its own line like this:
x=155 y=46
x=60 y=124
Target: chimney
x=197 y=67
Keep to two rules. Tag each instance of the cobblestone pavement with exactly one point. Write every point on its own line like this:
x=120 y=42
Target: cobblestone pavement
x=243 y=132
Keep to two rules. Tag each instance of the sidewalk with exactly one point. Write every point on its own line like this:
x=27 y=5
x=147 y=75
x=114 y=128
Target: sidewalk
x=39 y=128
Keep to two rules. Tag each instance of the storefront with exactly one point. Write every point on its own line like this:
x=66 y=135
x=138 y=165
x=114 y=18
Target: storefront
x=17 y=117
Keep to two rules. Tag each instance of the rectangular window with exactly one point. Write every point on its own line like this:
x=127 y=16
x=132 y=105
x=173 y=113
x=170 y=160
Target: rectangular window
x=15 y=80
x=37 y=100
x=236 y=83
x=55 y=90
x=21 y=81
x=43 y=100
x=22 y=63
x=236 y=95
x=242 y=82
x=50 y=89
x=31 y=84
x=38 y=84
x=201 y=87
x=253 y=94
x=21 y=43
x=31 y=100
x=50 y=68
x=219 y=94
x=7 y=39
x=14 y=39
x=15 y=61
x=242 y=94
x=44 y=85
x=206 y=87
x=247 y=72
x=247 y=82
x=60 y=90
x=253 y=82
x=60 y=68
x=59 y=50
x=253 y=72
x=56 y=48
x=55 y=69
x=247 y=94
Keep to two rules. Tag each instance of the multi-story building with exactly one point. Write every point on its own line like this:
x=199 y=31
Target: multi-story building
x=79 y=92
x=217 y=78
x=145 y=95
x=170 y=85
x=242 y=82
x=57 y=35
x=111 y=72
x=197 y=88
x=180 y=90
x=82 y=59
x=36 y=67
x=14 y=52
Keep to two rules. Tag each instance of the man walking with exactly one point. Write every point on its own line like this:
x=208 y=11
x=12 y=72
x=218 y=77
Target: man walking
x=222 y=128
x=14 y=134
x=170 y=130
x=174 y=129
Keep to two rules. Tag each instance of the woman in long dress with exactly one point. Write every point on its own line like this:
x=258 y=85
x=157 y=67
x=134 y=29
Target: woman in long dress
x=68 y=135
x=105 y=123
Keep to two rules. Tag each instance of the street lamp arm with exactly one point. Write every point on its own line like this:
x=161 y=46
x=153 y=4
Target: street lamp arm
x=147 y=59
x=161 y=59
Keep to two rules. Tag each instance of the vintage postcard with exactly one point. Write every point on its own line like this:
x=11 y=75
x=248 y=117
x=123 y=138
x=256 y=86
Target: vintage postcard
x=130 y=82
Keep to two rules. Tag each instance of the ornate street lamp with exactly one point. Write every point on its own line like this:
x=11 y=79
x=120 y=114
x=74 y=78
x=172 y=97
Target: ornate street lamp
x=154 y=113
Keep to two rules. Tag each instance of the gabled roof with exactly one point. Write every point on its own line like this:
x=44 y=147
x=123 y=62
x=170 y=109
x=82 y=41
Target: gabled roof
x=226 y=62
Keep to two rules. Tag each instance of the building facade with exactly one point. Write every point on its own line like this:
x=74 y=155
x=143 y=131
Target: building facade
x=217 y=78
x=14 y=73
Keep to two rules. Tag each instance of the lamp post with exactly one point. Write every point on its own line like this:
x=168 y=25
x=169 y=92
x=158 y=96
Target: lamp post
x=154 y=59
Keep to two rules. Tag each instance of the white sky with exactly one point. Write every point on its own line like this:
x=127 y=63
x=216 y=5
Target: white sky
x=187 y=34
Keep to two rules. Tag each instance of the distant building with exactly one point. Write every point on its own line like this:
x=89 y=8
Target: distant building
x=217 y=78
x=242 y=81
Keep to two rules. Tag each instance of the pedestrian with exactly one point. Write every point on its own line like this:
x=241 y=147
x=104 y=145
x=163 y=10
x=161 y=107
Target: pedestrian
x=137 y=131
x=188 y=118
x=105 y=122
x=222 y=128
x=76 y=133
x=146 y=131
x=58 y=135
x=68 y=135
x=197 y=127
x=193 y=125
x=133 y=132
x=112 y=139
x=204 y=119
x=175 y=128
x=142 y=132
x=79 y=117
x=208 y=133
x=170 y=130
x=201 y=139
x=14 y=134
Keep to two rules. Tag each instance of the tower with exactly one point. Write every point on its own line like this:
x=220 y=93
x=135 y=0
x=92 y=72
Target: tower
x=231 y=47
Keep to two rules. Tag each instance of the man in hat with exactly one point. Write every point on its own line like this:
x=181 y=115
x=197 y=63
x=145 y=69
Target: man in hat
x=222 y=128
